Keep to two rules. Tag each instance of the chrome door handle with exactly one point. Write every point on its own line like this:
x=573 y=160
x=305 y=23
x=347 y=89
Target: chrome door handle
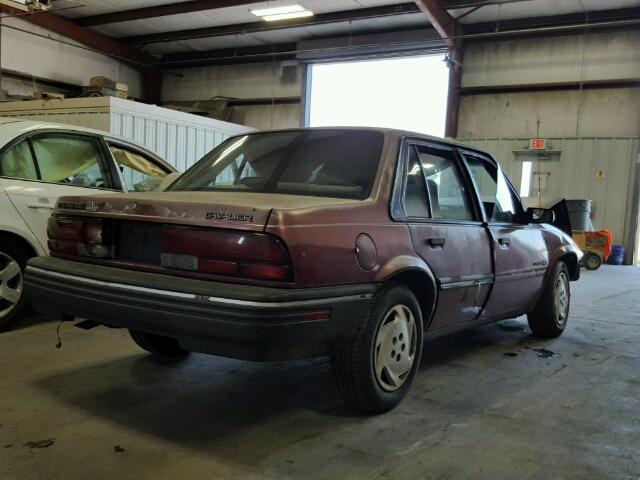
x=40 y=205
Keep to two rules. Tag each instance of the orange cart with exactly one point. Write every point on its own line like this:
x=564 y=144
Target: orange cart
x=596 y=246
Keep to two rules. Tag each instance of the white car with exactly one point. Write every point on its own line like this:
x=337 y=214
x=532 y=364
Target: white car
x=40 y=162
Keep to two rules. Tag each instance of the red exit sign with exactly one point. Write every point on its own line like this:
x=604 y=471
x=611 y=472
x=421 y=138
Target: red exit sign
x=537 y=144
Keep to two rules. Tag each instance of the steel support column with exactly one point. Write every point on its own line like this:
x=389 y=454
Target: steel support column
x=448 y=29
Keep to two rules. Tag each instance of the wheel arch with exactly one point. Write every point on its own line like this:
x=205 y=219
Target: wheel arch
x=570 y=259
x=417 y=276
x=18 y=239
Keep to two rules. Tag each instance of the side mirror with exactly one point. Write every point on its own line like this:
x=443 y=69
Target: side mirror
x=541 y=215
x=166 y=181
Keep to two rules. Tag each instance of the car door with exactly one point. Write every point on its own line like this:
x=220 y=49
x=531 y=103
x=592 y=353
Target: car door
x=38 y=169
x=140 y=172
x=519 y=249
x=446 y=231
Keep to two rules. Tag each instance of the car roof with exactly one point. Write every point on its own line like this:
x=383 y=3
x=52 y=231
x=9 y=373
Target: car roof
x=383 y=130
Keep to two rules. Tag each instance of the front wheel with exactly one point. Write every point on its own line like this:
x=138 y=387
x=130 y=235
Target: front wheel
x=549 y=317
x=375 y=368
x=158 y=344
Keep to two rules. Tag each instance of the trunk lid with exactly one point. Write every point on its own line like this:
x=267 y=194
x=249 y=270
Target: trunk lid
x=188 y=208
x=233 y=210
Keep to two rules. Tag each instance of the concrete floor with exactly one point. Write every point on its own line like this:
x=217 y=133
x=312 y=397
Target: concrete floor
x=489 y=403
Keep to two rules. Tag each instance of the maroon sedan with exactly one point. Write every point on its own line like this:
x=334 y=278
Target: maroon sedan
x=352 y=243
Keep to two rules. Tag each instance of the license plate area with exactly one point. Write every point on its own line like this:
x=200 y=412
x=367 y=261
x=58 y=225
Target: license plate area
x=139 y=242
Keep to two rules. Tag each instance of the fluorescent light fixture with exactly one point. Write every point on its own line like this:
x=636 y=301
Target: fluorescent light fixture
x=286 y=16
x=282 y=13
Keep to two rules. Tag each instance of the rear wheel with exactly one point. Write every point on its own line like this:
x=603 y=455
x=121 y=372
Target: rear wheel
x=375 y=368
x=549 y=318
x=158 y=344
x=13 y=261
x=592 y=261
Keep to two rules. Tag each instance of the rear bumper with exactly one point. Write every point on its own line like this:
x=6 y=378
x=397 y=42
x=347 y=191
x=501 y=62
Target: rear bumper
x=238 y=321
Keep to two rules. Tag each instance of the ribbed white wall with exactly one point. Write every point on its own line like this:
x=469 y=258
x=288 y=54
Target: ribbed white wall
x=180 y=138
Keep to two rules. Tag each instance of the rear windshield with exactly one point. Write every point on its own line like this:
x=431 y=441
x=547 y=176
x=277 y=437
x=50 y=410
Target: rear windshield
x=327 y=163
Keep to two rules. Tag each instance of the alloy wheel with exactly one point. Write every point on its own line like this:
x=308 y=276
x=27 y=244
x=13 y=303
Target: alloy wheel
x=561 y=298
x=10 y=284
x=395 y=348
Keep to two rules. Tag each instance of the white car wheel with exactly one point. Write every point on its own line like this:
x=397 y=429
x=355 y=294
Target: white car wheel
x=11 y=285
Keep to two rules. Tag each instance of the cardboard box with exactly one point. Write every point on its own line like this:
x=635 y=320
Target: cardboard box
x=101 y=81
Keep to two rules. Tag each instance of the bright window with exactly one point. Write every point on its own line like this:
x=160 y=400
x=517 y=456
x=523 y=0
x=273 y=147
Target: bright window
x=525 y=180
x=406 y=93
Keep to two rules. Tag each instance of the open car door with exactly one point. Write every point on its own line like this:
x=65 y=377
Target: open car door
x=562 y=219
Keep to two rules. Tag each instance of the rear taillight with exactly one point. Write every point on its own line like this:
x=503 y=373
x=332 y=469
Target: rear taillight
x=225 y=252
x=73 y=236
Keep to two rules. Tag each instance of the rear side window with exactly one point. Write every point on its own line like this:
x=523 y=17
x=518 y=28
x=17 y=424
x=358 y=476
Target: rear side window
x=328 y=163
x=70 y=160
x=17 y=162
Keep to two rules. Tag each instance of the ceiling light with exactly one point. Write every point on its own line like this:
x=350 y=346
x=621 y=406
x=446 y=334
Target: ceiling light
x=282 y=13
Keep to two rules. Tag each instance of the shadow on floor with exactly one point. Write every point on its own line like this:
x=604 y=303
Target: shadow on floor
x=28 y=319
x=216 y=405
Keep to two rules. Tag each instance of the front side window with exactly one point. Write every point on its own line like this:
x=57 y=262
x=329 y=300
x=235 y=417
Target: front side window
x=139 y=173
x=17 y=162
x=447 y=194
x=497 y=197
x=326 y=162
x=70 y=159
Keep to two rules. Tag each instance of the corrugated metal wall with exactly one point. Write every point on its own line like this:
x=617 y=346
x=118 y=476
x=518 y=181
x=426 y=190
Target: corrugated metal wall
x=180 y=145
x=180 y=138
x=580 y=160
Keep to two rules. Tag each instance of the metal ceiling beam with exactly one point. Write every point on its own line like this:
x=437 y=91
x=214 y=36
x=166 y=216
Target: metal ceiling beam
x=438 y=16
x=159 y=11
x=262 y=26
x=202 y=5
x=518 y=25
x=629 y=18
x=456 y=4
x=94 y=40
x=230 y=56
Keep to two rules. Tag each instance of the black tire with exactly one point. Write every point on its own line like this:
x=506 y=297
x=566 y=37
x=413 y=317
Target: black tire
x=354 y=362
x=549 y=317
x=158 y=344
x=12 y=251
x=592 y=261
